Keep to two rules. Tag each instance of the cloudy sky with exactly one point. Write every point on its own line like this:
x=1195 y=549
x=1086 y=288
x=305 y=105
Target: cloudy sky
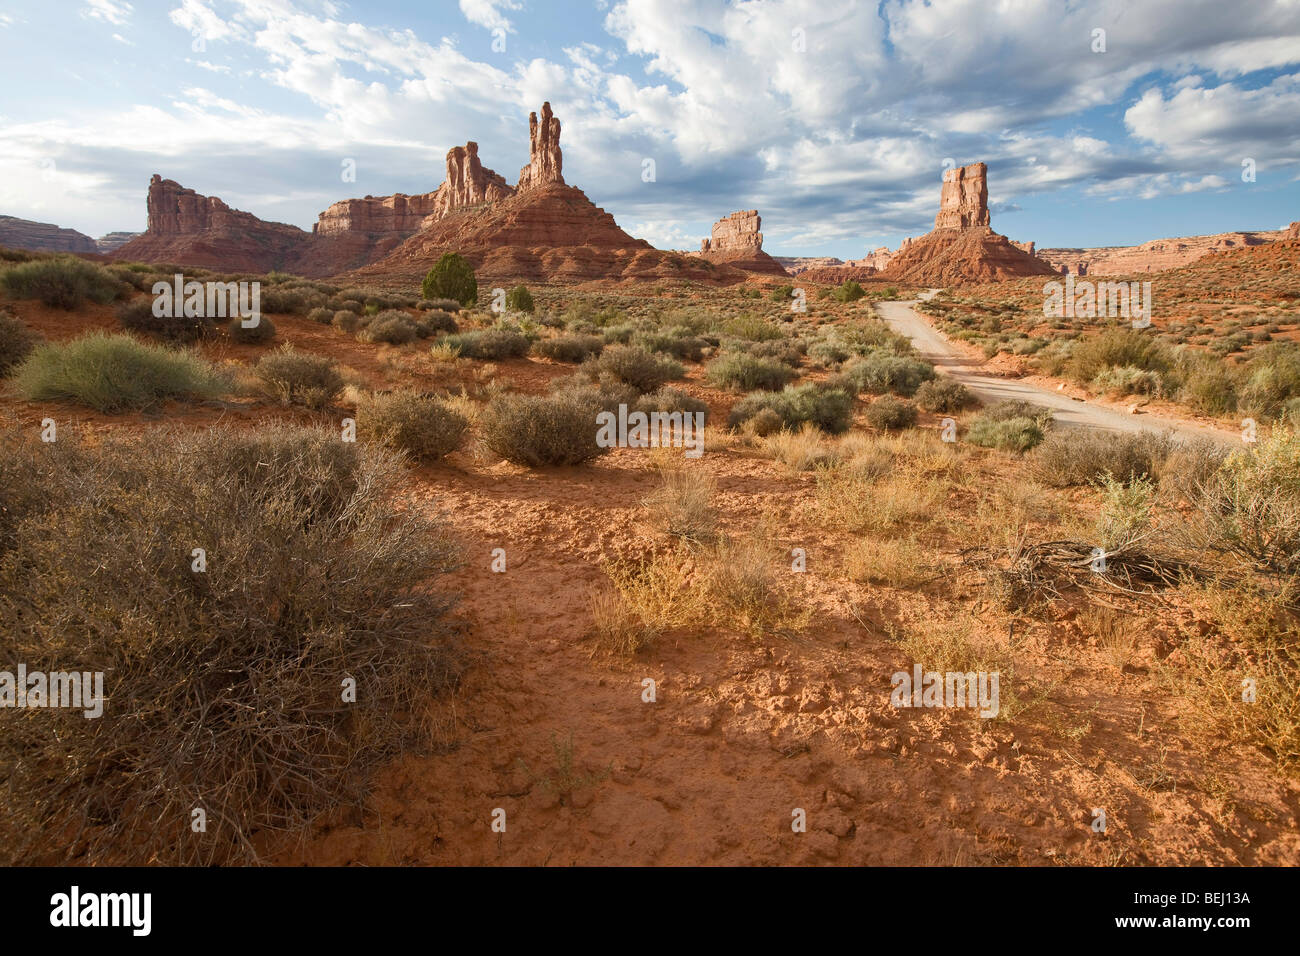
x=833 y=118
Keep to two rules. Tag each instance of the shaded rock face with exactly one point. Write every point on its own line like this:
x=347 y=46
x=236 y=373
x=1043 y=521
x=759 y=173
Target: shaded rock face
x=964 y=200
x=545 y=161
x=42 y=236
x=796 y=265
x=398 y=214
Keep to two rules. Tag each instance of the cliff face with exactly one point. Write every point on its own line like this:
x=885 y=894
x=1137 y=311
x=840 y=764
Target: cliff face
x=1158 y=254
x=191 y=229
x=42 y=236
x=737 y=241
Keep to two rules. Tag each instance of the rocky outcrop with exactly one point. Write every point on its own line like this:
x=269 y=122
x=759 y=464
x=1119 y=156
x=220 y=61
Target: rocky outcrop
x=737 y=241
x=545 y=161
x=962 y=248
x=795 y=265
x=1158 y=254
x=964 y=199
x=112 y=241
x=1024 y=246
x=470 y=183
x=191 y=229
x=42 y=236
x=375 y=216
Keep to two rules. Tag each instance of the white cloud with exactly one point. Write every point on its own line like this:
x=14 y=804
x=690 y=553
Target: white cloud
x=487 y=13
x=116 y=13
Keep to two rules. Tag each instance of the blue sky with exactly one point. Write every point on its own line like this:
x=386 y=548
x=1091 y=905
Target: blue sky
x=833 y=119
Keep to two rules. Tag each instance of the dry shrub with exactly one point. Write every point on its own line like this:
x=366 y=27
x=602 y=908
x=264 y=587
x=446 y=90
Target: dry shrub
x=1082 y=456
x=424 y=428
x=951 y=638
x=538 y=430
x=1115 y=633
x=16 y=342
x=298 y=378
x=223 y=688
x=858 y=502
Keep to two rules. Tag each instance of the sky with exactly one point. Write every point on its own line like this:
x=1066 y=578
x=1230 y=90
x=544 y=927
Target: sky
x=1102 y=122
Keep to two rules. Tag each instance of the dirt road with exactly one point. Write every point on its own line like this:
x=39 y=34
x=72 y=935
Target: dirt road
x=936 y=349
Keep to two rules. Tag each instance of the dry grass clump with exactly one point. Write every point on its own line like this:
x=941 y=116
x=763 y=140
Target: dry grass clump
x=803 y=450
x=861 y=503
x=895 y=562
x=644 y=598
x=682 y=505
x=1256 y=650
x=537 y=430
x=298 y=378
x=224 y=682
x=424 y=428
x=951 y=638
x=749 y=587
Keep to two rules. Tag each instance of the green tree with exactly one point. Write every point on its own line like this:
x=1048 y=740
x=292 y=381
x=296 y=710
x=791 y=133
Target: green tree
x=519 y=299
x=452 y=278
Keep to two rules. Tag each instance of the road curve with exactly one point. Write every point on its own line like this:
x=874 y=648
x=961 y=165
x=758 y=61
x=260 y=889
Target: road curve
x=934 y=348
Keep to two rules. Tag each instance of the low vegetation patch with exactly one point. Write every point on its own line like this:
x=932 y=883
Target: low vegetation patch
x=298 y=378
x=424 y=428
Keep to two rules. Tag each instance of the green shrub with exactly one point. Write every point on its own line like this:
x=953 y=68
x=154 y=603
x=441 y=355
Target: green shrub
x=451 y=278
x=737 y=370
x=644 y=371
x=62 y=283
x=1117 y=347
x=1207 y=385
x=283 y=301
x=786 y=351
x=391 y=328
x=322 y=315
x=830 y=409
x=678 y=343
x=828 y=353
x=532 y=430
x=884 y=371
x=850 y=291
x=298 y=378
x=519 y=299
x=112 y=373
x=781 y=293
x=1083 y=456
x=570 y=348
x=492 y=344
x=16 y=342
x=754 y=328
x=1007 y=434
x=1272 y=379
x=263 y=331
x=1127 y=380
x=424 y=428
x=223 y=686
x=945 y=395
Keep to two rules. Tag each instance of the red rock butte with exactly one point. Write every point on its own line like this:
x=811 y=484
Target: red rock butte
x=540 y=229
x=962 y=248
x=737 y=241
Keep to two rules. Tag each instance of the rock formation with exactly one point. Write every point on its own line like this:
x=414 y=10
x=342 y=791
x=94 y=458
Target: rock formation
x=469 y=183
x=962 y=247
x=545 y=161
x=795 y=265
x=964 y=199
x=191 y=229
x=738 y=242
x=543 y=230
x=42 y=236
x=1156 y=255
x=111 y=241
